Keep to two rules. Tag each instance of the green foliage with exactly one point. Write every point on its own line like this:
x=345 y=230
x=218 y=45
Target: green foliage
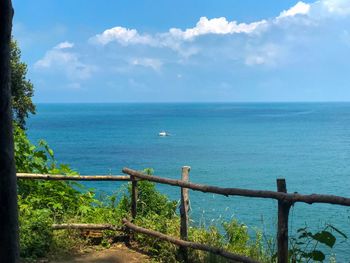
x=308 y=246
x=238 y=240
x=30 y=158
x=35 y=231
x=21 y=88
x=57 y=196
x=149 y=200
x=234 y=238
x=42 y=203
x=162 y=251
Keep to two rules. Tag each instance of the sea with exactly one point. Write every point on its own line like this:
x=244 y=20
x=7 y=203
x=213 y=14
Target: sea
x=241 y=145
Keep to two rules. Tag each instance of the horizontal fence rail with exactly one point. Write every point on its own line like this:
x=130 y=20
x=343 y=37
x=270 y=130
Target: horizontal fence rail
x=58 y=177
x=284 y=197
x=87 y=227
x=285 y=201
x=183 y=243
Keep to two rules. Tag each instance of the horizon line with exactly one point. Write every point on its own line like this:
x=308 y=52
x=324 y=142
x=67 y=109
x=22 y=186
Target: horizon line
x=189 y=102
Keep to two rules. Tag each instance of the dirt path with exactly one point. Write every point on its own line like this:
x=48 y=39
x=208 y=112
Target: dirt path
x=118 y=253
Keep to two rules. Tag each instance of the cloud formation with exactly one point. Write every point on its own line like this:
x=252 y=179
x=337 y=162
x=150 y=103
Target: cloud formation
x=339 y=7
x=122 y=35
x=219 y=26
x=174 y=37
x=153 y=63
x=252 y=43
x=300 y=8
x=61 y=58
x=299 y=40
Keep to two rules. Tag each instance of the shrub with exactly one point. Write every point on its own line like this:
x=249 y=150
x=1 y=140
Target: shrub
x=149 y=200
x=36 y=232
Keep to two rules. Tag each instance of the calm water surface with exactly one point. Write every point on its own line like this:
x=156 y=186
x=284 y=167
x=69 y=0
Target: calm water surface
x=231 y=145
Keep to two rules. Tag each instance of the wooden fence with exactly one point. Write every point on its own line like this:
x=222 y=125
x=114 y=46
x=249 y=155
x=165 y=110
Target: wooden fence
x=285 y=201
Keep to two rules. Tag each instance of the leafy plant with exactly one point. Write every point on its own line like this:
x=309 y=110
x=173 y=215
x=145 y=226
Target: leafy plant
x=149 y=200
x=42 y=203
x=36 y=231
x=308 y=246
x=22 y=89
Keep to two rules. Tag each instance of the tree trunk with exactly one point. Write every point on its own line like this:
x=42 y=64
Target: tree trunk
x=9 y=248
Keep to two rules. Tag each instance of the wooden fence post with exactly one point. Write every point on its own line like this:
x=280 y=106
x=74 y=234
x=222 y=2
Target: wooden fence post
x=133 y=197
x=184 y=208
x=282 y=228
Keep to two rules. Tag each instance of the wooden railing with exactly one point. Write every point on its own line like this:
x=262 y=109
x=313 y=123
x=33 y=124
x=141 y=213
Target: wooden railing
x=285 y=201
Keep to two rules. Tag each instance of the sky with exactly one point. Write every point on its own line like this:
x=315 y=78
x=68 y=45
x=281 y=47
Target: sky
x=185 y=51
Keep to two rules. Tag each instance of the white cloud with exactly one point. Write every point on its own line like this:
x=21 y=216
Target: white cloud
x=269 y=54
x=56 y=55
x=265 y=42
x=153 y=63
x=64 y=45
x=220 y=26
x=62 y=58
x=291 y=47
x=337 y=7
x=215 y=26
x=300 y=8
x=174 y=37
x=122 y=35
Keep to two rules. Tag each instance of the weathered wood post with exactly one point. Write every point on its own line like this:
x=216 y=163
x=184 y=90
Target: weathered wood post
x=133 y=197
x=8 y=182
x=184 y=208
x=133 y=206
x=282 y=227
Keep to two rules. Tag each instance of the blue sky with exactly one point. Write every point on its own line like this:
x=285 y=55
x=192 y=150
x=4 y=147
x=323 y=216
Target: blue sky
x=185 y=51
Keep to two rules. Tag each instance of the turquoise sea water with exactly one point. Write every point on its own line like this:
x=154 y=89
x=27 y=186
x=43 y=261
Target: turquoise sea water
x=245 y=145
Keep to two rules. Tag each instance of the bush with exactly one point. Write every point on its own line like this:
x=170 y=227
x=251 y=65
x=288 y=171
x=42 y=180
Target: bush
x=149 y=200
x=42 y=203
x=36 y=232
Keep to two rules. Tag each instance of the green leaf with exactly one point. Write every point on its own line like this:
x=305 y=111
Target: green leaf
x=50 y=151
x=301 y=229
x=338 y=231
x=325 y=237
x=317 y=255
x=84 y=209
x=305 y=235
x=57 y=206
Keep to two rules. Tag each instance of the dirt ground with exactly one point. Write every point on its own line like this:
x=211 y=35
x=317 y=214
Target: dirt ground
x=118 y=253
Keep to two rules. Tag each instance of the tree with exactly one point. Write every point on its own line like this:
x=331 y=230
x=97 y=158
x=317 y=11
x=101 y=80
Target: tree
x=21 y=88
x=8 y=183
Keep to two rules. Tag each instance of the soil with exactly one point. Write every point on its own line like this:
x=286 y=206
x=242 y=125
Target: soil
x=118 y=253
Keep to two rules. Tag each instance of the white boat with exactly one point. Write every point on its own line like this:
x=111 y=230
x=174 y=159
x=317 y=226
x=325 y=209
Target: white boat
x=163 y=133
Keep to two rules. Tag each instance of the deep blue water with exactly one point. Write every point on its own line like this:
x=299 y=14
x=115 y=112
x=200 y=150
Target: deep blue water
x=244 y=145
